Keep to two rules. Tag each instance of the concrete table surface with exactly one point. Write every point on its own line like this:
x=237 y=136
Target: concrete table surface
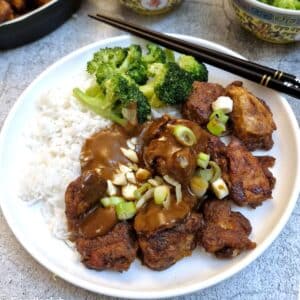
x=274 y=275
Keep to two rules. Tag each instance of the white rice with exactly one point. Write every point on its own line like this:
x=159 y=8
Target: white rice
x=54 y=140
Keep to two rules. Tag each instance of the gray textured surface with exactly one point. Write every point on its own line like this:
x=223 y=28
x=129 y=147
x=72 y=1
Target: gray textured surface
x=276 y=274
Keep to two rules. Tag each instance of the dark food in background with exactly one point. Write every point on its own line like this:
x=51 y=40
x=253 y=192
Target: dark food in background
x=197 y=107
x=252 y=119
x=225 y=233
x=10 y=9
x=163 y=247
x=248 y=178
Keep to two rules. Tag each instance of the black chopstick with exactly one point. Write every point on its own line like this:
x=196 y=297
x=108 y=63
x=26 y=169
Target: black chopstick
x=220 y=60
x=276 y=74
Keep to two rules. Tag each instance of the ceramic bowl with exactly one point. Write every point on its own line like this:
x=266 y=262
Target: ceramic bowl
x=37 y=23
x=272 y=24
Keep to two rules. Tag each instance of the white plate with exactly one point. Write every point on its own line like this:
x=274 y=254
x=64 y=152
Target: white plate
x=188 y=275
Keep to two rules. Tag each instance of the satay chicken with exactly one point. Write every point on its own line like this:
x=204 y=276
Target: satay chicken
x=252 y=120
x=10 y=9
x=198 y=106
x=142 y=190
x=224 y=233
x=249 y=180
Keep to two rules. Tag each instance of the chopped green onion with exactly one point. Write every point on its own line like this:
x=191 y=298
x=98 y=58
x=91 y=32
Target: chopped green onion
x=161 y=194
x=184 y=135
x=216 y=171
x=111 y=201
x=138 y=193
x=216 y=127
x=202 y=160
x=220 y=188
x=220 y=116
x=125 y=210
x=206 y=174
x=198 y=186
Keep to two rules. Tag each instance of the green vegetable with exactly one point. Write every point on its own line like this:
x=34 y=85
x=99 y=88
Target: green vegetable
x=161 y=194
x=199 y=186
x=206 y=174
x=138 y=193
x=216 y=171
x=216 y=127
x=202 y=160
x=111 y=201
x=288 y=4
x=155 y=54
x=184 y=135
x=112 y=96
x=220 y=116
x=125 y=210
x=196 y=69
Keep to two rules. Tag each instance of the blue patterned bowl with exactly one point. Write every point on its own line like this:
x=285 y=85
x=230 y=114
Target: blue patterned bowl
x=272 y=24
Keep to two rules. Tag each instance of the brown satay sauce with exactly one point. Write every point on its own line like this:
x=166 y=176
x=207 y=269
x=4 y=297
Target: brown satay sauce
x=99 y=222
x=103 y=151
x=153 y=216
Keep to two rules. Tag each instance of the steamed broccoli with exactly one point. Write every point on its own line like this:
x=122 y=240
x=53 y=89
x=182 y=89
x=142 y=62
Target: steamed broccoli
x=170 y=84
x=289 y=4
x=113 y=98
x=155 y=54
x=125 y=61
x=195 y=68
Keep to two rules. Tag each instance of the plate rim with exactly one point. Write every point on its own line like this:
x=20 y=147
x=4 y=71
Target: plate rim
x=193 y=287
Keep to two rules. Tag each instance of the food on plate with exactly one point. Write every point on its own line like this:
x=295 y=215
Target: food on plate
x=198 y=106
x=252 y=120
x=163 y=247
x=151 y=185
x=224 y=233
x=249 y=181
x=10 y=9
x=289 y=4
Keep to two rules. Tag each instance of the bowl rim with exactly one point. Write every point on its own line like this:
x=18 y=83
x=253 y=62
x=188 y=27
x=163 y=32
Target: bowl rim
x=29 y=14
x=274 y=9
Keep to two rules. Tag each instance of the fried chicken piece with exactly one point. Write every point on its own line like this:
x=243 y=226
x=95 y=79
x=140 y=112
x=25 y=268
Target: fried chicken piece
x=18 y=5
x=163 y=154
x=225 y=233
x=163 y=247
x=102 y=242
x=251 y=118
x=83 y=194
x=198 y=108
x=250 y=182
x=41 y=2
x=6 y=12
x=114 y=251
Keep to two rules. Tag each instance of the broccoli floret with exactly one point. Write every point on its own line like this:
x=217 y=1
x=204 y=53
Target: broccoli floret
x=155 y=54
x=114 y=56
x=195 y=68
x=169 y=84
x=114 y=95
x=289 y=4
x=175 y=86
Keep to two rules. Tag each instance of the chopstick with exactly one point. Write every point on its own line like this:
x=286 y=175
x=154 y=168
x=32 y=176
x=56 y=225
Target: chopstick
x=285 y=83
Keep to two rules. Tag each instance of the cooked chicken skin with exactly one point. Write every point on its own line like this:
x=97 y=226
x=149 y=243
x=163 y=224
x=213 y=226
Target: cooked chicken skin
x=82 y=194
x=114 y=251
x=250 y=182
x=164 y=247
x=6 y=12
x=198 y=108
x=162 y=153
x=225 y=233
x=251 y=118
